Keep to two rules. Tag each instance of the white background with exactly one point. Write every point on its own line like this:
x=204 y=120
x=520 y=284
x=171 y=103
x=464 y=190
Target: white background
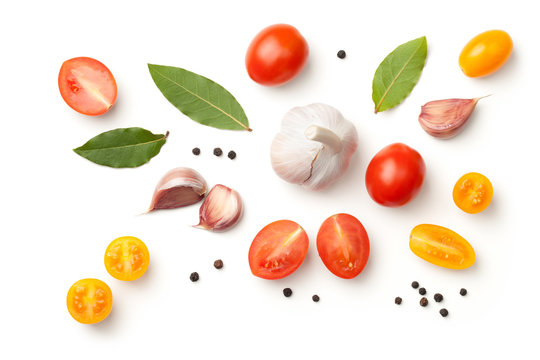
x=60 y=211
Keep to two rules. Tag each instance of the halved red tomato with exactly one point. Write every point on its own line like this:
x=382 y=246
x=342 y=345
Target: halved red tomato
x=343 y=245
x=278 y=250
x=87 y=86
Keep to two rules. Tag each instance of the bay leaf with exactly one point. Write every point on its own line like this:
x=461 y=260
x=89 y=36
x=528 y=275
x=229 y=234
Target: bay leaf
x=123 y=148
x=200 y=98
x=398 y=74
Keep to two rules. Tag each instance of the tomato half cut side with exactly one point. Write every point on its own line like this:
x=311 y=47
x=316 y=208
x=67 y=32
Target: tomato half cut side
x=87 y=86
x=89 y=301
x=473 y=193
x=343 y=245
x=278 y=250
x=127 y=258
x=441 y=246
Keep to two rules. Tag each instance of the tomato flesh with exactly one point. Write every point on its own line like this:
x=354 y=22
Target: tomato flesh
x=89 y=301
x=278 y=250
x=485 y=53
x=276 y=55
x=441 y=246
x=395 y=175
x=127 y=258
x=473 y=193
x=87 y=86
x=343 y=245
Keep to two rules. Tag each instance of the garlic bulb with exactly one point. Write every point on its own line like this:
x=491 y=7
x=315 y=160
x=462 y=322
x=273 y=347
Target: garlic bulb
x=221 y=209
x=178 y=187
x=314 y=146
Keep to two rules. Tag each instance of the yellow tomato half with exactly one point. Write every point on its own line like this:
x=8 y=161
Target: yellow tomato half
x=473 y=193
x=441 y=246
x=127 y=258
x=485 y=53
x=89 y=301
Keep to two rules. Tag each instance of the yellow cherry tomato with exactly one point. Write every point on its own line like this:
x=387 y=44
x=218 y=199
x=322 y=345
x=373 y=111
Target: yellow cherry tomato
x=127 y=258
x=473 y=193
x=485 y=53
x=89 y=301
x=441 y=246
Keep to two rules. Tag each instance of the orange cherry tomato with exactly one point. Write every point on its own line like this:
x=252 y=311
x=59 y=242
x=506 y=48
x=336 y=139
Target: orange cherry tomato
x=485 y=53
x=441 y=246
x=473 y=193
x=89 y=301
x=87 y=86
x=127 y=258
x=343 y=245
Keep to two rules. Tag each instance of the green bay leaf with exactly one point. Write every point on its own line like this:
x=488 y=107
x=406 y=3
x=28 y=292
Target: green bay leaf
x=123 y=148
x=200 y=98
x=398 y=74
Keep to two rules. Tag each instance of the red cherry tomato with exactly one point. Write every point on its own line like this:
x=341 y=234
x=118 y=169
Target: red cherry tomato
x=276 y=55
x=87 y=86
x=343 y=245
x=395 y=175
x=278 y=250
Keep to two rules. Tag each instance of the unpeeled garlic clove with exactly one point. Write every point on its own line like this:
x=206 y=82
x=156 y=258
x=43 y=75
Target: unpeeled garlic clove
x=221 y=209
x=446 y=118
x=179 y=187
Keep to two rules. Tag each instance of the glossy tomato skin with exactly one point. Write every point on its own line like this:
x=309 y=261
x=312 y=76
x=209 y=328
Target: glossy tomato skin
x=87 y=86
x=395 y=175
x=127 y=258
x=343 y=245
x=485 y=53
x=276 y=55
x=441 y=246
x=473 y=193
x=278 y=250
x=89 y=301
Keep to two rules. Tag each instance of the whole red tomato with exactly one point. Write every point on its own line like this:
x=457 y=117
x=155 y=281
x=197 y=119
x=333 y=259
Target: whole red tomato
x=276 y=55
x=395 y=175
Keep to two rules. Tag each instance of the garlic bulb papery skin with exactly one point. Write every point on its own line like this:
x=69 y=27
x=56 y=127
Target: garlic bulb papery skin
x=221 y=210
x=314 y=147
x=179 y=187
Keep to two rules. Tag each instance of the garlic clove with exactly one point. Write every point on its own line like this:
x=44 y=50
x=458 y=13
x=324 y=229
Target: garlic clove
x=446 y=118
x=221 y=209
x=178 y=187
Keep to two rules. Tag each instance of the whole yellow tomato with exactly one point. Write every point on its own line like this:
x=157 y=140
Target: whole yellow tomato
x=485 y=53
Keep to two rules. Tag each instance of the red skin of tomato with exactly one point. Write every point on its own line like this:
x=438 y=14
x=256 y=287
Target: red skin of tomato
x=343 y=245
x=276 y=55
x=395 y=175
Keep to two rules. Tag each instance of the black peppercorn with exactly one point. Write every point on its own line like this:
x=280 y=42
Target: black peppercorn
x=218 y=264
x=218 y=152
x=194 y=276
x=415 y=285
x=231 y=155
x=196 y=151
x=423 y=301
x=341 y=54
x=443 y=312
x=463 y=292
x=398 y=300
x=287 y=292
x=422 y=291
x=316 y=298
x=438 y=297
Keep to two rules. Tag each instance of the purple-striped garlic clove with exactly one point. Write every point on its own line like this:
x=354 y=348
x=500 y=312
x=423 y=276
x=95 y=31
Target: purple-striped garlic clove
x=446 y=118
x=178 y=187
x=221 y=210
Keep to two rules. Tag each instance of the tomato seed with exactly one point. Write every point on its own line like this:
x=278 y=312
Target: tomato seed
x=422 y=291
x=438 y=297
x=415 y=285
x=341 y=54
x=423 y=301
x=443 y=312
x=231 y=155
x=218 y=152
x=316 y=298
x=287 y=292
x=196 y=151
x=463 y=292
x=194 y=276
x=218 y=264
x=398 y=300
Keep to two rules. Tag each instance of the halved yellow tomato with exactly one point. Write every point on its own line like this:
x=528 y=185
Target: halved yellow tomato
x=441 y=246
x=473 y=193
x=127 y=258
x=89 y=301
